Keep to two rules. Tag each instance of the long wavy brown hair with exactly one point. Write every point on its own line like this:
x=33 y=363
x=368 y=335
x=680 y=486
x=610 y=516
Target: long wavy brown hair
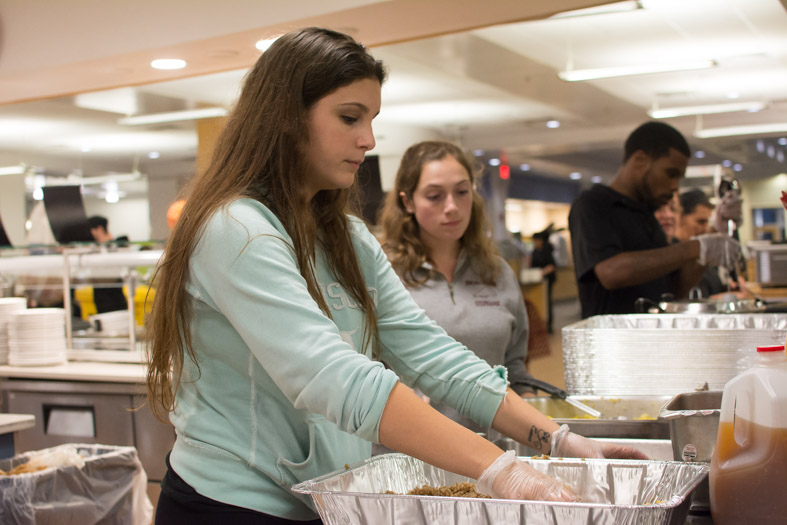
x=260 y=154
x=400 y=231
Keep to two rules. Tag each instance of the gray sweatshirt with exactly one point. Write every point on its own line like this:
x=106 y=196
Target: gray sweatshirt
x=490 y=320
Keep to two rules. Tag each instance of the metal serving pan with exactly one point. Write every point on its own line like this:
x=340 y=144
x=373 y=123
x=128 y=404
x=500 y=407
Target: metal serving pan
x=631 y=417
x=693 y=420
x=611 y=492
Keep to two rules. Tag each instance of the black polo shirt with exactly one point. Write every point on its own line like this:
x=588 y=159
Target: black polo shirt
x=604 y=223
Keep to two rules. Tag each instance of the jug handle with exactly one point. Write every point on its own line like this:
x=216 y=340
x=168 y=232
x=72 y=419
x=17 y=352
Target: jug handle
x=742 y=428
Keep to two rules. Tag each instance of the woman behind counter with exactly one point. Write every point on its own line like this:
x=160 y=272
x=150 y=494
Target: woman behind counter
x=435 y=233
x=273 y=305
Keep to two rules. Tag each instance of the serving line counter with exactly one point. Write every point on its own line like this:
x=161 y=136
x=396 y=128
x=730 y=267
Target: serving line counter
x=9 y=425
x=87 y=402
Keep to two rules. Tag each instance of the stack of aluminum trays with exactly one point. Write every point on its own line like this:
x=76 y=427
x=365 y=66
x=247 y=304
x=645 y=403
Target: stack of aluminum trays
x=663 y=354
x=611 y=491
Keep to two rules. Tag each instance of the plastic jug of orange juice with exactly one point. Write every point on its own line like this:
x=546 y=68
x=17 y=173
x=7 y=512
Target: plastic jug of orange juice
x=748 y=473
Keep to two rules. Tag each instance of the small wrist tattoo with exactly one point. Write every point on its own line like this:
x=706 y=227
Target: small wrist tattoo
x=538 y=438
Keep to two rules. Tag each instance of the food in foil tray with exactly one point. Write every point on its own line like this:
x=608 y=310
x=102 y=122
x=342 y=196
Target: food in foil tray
x=462 y=489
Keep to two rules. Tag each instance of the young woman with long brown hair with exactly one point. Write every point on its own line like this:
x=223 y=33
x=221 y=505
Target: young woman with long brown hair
x=273 y=304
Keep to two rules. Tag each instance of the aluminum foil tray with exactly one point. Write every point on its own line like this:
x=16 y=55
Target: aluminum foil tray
x=659 y=449
x=630 y=417
x=663 y=354
x=613 y=492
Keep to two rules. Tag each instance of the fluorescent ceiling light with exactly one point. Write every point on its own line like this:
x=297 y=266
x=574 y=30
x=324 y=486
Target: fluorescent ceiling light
x=616 y=7
x=13 y=170
x=173 y=116
x=707 y=109
x=576 y=75
x=779 y=127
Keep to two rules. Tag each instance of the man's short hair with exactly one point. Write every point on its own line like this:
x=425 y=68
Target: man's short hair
x=689 y=200
x=97 y=220
x=655 y=140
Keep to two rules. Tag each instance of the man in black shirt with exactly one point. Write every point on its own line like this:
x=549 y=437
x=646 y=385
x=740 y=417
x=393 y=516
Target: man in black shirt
x=620 y=250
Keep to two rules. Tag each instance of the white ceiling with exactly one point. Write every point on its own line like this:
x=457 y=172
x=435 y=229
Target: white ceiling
x=491 y=89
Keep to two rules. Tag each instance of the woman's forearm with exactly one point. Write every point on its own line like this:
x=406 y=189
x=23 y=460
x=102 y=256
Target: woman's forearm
x=524 y=423
x=413 y=427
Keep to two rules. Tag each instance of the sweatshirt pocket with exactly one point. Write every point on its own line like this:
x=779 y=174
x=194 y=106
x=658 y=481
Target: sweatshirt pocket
x=329 y=449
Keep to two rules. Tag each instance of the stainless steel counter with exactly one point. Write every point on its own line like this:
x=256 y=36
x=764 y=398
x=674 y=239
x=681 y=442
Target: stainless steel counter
x=80 y=371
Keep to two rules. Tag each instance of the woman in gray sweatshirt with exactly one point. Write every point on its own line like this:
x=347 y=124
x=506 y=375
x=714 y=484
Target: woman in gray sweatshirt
x=436 y=236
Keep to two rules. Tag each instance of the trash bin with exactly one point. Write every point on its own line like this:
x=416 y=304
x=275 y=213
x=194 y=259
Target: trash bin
x=109 y=488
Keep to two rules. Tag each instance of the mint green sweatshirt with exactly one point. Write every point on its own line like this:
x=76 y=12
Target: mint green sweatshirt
x=285 y=393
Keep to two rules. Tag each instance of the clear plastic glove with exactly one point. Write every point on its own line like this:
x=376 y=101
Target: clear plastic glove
x=717 y=249
x=728 y=209
x=508 y=477
x=568 y=444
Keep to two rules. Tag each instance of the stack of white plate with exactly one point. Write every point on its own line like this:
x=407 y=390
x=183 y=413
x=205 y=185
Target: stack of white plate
x=37 y=337
x=8 y=306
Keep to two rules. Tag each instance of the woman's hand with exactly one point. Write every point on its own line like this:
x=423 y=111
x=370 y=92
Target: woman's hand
x=568 y=444
x=508 y=477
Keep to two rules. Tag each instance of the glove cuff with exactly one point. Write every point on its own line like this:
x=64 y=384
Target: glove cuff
x=485 y=482
x=702 y=259
x=557 y=439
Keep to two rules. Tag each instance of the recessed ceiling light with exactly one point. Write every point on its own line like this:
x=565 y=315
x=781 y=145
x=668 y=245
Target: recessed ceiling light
x=575 y=175
x=737 y=167
x=478 y=152
x=552 y=124
x=596 y=179
x=726 y=163
x=524 y=167
x=264 y=44
x=699 y=154
x=782 y=141
x=168 y=63
x=494 y=162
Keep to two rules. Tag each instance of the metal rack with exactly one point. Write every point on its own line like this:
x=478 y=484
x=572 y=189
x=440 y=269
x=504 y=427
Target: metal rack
x=121 y=263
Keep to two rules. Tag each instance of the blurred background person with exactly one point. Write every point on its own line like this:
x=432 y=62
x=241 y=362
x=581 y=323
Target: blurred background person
x=621 y=253
x=695 y=217
x=435 y=233
x=99 y=228
x=696 y=211
x=542 y=257
x=174 y=211
x=668 y=216
x=108 y=294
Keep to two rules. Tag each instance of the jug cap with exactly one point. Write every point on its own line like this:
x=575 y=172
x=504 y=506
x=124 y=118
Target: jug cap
x=776 y=348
